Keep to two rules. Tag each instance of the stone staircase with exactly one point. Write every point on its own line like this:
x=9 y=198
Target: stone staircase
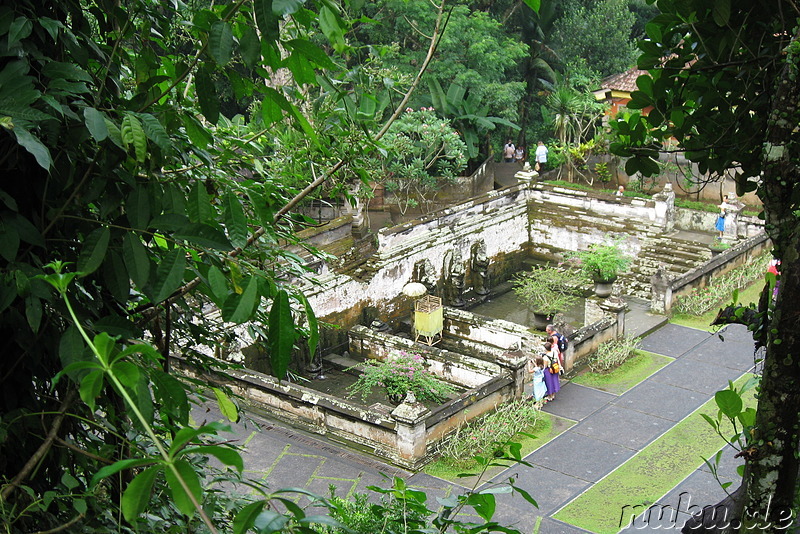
x=675 y=254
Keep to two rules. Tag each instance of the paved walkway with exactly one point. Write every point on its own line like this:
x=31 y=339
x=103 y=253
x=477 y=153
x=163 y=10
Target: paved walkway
x=608 y=430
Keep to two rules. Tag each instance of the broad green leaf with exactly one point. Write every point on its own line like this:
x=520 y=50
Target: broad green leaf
x=204 y=235
x=20 y=28
x=179 y=495
x=169 y=392
x=198 y=134
x=286 y=7
x=217 y=284
x=33 y=312
x=71 y=348
x=118 y=466
x=270 y=112
x=114 y=133
x=533 y=4
x=220 y=42
x=143 y=400
x=235 y=220
x=32 y=144
x=9 y=241
x=25 y=229
x=313 y=325
x=8 y=293
x=133 y=136
x=137 y=495
x=91 y=385
x=136 y=259
x=270 y=521
x=187 y=434
x=116 y=325
x=96 y=124
x=226 y=455
x=240 y=308
x=748 y=417
x=226 y=405
x=484 y=504
x=266 y=20
x=116 y=276
x=281 y=334
x=729 y=402
x=333 y=28
x=127 y=373
x=304 y=125
x=155 y=131
x=199 y=204
x=94 y=250
x=67 y=71
x=302 y=71
x=137 y=209
x=250 y=47
x=169 y=275
x=312 y=52
x=104 y=345
x=246 y=516
x=721 y=12
x=207 y=94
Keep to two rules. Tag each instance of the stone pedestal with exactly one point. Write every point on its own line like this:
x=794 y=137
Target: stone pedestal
x=665 y=208
x=660 y=291
x=411 y=432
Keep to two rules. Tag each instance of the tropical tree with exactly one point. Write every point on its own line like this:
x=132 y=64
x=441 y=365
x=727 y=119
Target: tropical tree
x=725 y=83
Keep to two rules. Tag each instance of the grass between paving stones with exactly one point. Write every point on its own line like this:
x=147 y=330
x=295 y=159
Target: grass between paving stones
x=749 y=295
x=650 y=474
x=627 y=375
x=547 y=427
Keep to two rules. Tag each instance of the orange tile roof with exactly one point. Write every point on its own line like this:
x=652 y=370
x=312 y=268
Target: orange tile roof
x=624 y=81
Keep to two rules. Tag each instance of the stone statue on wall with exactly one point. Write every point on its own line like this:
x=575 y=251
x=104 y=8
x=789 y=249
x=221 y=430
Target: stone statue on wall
x=454 y=274
x=424 y=273
x=480 y=268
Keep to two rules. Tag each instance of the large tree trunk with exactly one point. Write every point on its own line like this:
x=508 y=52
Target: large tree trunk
x=773 y=465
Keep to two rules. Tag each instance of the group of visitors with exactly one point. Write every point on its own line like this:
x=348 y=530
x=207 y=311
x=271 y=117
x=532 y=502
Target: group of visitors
x=546 y=368
x=512 y=154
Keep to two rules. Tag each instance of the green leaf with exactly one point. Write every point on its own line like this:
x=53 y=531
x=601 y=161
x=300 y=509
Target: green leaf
x=484 y=504
x=302 y=71
x=179 y=495
x=217 y=284
x=133 y=136
x=729 y=402
x=9 y=241
x=250 y=47
x=220 y=42
x=198 y=134
x=270 y=521
x=32 y=144
x=155 y=131
x=226 y=455
x=207 y=94
x=240 y=308
x=747 y=417
x=20 y=29
x=136 y=259
x=96 y=124
x=533 y=4
x=137 y=209
x=116 y=325
x=94 y=250
x=127 y=373
x=144 y=401
x=26 y=230
x=137 y=495
x=286 y=7
x=246 y=517
x=226 y=405
x=235 y=221
x=169 y=275
x=266 y=20
x=170 y=393
x=199 y=206
x=311 y=52
x=313 y=325
x=91 y=385
x=33 y=312
x=116 y=277
x=333 y=28
x=722 y=12
x=204 y=235
x=281 y=334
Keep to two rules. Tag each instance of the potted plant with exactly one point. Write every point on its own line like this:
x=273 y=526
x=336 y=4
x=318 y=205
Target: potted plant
x=398 y=374
x=718 y=247
x=547 y=290
x=602 y=263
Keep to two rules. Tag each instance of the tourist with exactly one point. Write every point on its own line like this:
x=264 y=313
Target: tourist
x=541 y=156
x=538 y=389
x=621 y=191
x=551 y=381
x=720 y=225
x=519 y=155
x=775 y=268
x=508 y=152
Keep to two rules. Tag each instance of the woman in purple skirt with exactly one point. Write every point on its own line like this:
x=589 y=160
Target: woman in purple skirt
x=551 y=360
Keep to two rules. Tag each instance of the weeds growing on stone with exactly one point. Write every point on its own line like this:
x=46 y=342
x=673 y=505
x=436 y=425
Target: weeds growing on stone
x=612 y=353
x=486 y=435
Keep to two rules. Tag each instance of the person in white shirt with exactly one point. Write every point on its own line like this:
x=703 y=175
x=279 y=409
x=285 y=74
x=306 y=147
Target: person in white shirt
x=541 y=156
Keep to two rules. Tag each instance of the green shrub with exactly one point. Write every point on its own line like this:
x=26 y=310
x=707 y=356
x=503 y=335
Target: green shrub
x=486 y=435
x=702 y=299
x=613 y=353
x=400 y=373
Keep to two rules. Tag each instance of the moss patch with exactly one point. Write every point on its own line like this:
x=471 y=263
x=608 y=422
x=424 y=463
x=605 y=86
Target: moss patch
x=547 y=427
x=627 y=375
x=650 y=474
x=749 y=295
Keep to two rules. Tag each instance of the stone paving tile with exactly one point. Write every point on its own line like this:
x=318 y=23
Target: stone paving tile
x=550 y=488
x=673 y=340
x=553 y=526
x=662 y=400
x=732 y=348
x=696 y=376
x=577 y=402
x=624 y=427
x=581 y=456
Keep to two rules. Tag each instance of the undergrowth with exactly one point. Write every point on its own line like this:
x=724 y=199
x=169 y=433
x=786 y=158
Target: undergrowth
x=611 y=354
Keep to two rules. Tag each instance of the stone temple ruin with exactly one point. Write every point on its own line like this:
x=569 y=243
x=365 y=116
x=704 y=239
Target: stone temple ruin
x=463 y=255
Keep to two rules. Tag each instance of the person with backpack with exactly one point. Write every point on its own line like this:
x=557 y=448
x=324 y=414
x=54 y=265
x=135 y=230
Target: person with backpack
x=551 y=371
x=560 y=341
